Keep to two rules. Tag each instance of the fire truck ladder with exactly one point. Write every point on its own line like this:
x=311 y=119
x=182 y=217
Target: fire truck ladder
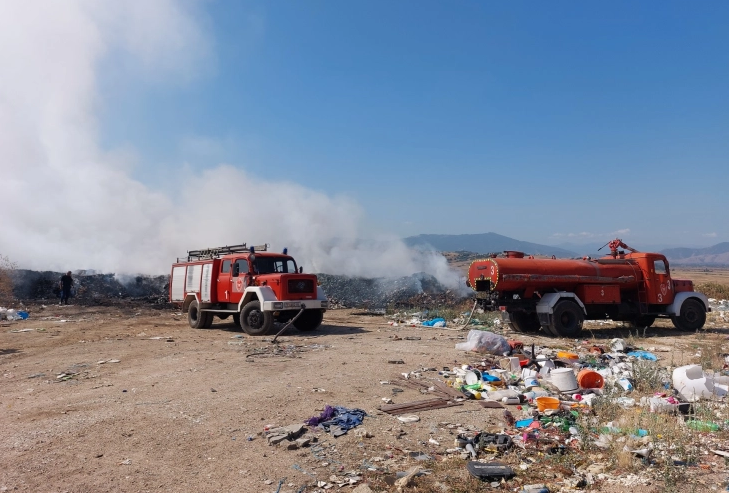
x=643 y=300
x=209 y=253
x=641 y=291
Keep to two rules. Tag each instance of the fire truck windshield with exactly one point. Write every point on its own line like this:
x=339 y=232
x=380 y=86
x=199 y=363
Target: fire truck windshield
x=275 y=265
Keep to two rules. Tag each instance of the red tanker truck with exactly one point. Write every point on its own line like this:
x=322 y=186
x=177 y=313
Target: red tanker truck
x=558 y=295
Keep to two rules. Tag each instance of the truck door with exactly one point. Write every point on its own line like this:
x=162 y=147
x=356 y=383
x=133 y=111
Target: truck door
x=238 y=280
x=662 y=292
x=224 y=282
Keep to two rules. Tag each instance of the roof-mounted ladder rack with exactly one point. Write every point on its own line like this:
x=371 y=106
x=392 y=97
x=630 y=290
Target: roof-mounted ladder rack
x=209 y=253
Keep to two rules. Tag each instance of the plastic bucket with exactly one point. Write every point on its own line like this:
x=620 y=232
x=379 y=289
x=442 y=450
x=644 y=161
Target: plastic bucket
x=544 y=403
x=589 y=379
x=564 y=379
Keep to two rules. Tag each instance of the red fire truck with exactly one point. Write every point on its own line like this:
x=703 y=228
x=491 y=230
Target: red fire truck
x=253 y=285
x=558 y=294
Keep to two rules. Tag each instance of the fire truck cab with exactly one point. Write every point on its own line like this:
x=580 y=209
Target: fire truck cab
x=254 y=286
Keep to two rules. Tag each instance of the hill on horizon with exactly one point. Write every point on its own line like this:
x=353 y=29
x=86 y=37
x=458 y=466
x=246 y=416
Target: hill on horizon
x=713 y=255
x=484 y=243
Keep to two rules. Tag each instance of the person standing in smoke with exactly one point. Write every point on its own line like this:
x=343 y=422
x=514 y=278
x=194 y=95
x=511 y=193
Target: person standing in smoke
x=66 y=283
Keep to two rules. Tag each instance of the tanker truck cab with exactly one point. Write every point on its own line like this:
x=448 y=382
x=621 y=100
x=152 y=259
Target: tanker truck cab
x=256 y=287
x=657 y=282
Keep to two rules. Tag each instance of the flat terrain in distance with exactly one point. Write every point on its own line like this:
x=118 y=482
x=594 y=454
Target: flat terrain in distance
x=700 y=275
x=148 y=404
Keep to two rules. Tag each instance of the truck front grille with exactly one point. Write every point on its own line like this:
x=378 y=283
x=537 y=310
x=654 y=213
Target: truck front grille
x=301 y=286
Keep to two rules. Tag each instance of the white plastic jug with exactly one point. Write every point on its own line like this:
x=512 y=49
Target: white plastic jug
x=693 y=384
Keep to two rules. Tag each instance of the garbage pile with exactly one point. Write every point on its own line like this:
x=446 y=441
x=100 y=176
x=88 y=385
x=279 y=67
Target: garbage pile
x=554 y=402
x=11 y=314
x=435 y=318
x=412 y=291
x=90 y=288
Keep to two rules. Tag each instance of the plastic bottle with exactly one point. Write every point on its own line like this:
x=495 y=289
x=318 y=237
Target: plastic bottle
x=702 y=425
x=510 y=400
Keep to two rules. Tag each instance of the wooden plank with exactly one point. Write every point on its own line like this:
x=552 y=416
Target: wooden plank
x=446 y=389
x=415 y=409
x=387 y=407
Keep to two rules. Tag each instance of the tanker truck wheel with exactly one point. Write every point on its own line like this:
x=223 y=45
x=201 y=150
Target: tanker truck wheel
x=198 y=319
x=691 y=317
x=309 y=320
x=524 y=322
x=255 y=322
x=567 y=319
x=642 y=321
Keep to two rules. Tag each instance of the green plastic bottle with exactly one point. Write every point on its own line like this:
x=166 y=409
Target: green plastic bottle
x=702 y=425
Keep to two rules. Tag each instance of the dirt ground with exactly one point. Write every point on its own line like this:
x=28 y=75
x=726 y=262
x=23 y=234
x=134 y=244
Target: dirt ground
x=149 y=404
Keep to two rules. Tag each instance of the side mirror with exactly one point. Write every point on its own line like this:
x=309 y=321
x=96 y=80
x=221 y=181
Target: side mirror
x=301 y=269
x=235 y=270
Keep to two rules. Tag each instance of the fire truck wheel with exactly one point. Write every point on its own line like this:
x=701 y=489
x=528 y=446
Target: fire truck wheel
x=642 y=321
x=524 y=322
x=567 y=319
x=198 y=319
x=309 y=320
x=254 y=321
x=691 y=317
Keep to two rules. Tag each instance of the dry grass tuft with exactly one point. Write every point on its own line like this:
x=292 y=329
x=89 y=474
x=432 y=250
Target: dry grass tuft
x=713 y=290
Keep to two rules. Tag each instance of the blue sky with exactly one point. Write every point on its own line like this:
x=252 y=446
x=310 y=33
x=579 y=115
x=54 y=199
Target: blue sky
x=543 y=121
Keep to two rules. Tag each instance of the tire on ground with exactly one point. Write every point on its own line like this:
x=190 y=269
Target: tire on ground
x=198 y=319
x=255 y=322
x=309 y=320
x=692 y=315
x=524 y=322
x=642 y=321
x=567 y=320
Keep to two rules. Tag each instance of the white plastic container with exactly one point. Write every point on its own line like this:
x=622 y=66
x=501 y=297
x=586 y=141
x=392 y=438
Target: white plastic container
x=564 y=379
x=660 y=405
x=498 y=395
x=531 y=382
x=472 y=377
x=693 y=384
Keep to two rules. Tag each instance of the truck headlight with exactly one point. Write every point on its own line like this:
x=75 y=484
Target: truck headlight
x=278 y=305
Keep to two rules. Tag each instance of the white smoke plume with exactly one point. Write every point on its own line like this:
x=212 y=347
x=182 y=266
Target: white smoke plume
x=67 y=203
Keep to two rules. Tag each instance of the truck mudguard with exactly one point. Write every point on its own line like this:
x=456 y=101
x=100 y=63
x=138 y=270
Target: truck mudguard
x=262 y=293
x=549 y=300
x=266 y=296
x=679 y=298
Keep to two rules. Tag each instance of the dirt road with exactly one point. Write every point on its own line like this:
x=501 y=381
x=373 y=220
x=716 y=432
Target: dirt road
x=144 y=403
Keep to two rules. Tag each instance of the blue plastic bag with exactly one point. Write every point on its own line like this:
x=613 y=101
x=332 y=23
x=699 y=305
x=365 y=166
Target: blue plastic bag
x=643 y=355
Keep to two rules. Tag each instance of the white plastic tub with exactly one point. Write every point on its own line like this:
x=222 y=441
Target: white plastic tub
x=693 y=384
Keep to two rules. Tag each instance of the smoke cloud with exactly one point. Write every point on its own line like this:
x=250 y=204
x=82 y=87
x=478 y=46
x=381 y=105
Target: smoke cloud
x=67 y=203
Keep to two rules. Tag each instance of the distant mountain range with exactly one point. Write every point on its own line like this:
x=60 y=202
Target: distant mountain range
x=714 y=255
x=484 y=243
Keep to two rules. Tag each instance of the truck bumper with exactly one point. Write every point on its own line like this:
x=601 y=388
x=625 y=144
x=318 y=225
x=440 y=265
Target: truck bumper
x=272 y=306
